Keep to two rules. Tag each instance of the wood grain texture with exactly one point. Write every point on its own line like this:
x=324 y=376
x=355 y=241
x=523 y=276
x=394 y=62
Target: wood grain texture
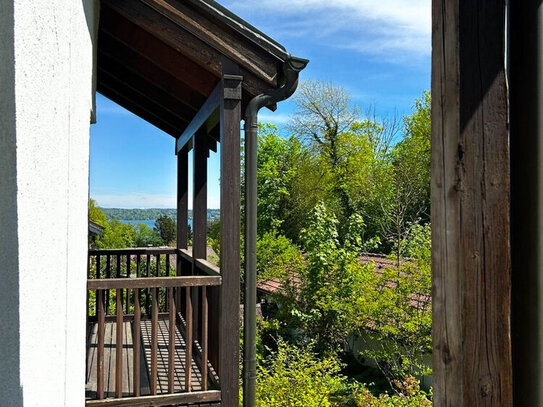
x=188 y=338
x=136 y=335
x=154 y=343
x=119 y=346
x=151 y=282
x=101 y=333
x=470 y=206
x=158 y=400
x=230 y=196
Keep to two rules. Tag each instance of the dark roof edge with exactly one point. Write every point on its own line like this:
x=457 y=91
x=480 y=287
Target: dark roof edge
x=242 y=27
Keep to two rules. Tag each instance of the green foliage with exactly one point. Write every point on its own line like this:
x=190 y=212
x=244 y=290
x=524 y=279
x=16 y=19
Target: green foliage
x=145 y=236
x=151 y=213
x=166 y=229
x=96 y=214
x=116 y=235
x=277 y=257
x=296 y=377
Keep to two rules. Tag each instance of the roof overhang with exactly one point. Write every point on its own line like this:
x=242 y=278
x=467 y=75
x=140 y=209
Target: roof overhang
x=161 y=59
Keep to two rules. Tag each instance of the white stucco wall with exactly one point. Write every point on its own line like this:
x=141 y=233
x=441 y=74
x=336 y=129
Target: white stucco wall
x=45 y=151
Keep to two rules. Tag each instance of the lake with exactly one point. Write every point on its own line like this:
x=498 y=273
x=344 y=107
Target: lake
x=150 y=223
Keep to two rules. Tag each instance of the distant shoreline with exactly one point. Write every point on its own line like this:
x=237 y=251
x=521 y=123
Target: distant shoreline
x=150 y=214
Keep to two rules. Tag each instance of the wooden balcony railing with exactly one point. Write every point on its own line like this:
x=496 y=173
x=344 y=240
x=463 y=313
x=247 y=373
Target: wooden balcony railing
x=149 y=323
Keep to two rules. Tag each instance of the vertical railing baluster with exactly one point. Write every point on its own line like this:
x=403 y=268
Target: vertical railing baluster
x=136 y=337
x=167 y=305
x=159 y=290
x=154 y=343
x=204 y=338
x=188 y=339
x=98 y=267
x=100 y=356
x=119 y=346
x=171 y=353
x=118 y=275
x=148 y=291
x=128 y=258
x=108 y=275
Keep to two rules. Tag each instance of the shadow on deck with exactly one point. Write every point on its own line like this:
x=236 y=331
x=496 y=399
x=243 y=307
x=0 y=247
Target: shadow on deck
x=145 y=361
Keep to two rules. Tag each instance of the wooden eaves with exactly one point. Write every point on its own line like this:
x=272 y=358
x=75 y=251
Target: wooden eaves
x=162 y=59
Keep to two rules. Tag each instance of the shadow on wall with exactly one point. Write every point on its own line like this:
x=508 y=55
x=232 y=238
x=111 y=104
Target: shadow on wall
x=11 y=393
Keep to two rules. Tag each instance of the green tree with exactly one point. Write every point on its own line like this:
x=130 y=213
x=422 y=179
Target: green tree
x=145 y=236
x=166 y=228
x=324 y=112
x=96 y=214
x=116 y=235
x=404 y=187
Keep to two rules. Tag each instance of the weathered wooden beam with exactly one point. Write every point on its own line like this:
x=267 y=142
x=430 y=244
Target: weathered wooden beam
x=135 y=108
x=155 y=50
x=235 y=47
x=206 y=267
x=230 y=196
x=151 y=282
x=211 y=105
x=199 y=217
x=134 y=251
x=471 y=262
x=145 y=68
x=137 y=95
x=145 y=88
x=159 y=400
x=184 y=42
x=182 y=266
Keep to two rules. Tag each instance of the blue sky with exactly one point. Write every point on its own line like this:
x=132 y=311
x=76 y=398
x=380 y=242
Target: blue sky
x=379 y=50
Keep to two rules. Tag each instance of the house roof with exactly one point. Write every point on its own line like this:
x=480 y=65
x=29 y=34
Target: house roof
x=161 y=59
x=273 y=286
x=95 y=228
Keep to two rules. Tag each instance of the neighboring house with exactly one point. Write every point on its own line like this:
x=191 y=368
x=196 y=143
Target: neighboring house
x=94 y=231
x=194 y=70
x=364 y=341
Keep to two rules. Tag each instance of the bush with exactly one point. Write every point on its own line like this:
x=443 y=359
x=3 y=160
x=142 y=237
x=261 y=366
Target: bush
x=296 y=377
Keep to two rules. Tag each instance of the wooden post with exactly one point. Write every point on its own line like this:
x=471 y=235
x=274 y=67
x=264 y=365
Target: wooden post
x=230 y=118
x=182 y=216
x=526 y=90
x=199 y=217
x=471 y=262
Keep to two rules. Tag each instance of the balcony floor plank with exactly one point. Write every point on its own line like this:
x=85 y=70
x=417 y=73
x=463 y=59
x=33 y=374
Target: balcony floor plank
x=145 y=358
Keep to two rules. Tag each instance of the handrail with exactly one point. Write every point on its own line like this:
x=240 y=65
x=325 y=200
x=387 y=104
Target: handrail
x=134 y=251
x=153 y=282
x=201 y=264
x=209 y=268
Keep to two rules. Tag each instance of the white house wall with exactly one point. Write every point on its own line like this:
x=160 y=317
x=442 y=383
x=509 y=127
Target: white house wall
x=46 y=85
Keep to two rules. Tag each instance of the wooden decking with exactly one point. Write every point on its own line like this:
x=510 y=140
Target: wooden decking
x=128 y=360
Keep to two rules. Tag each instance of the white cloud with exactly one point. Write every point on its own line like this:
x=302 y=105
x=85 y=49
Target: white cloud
x=377 y=27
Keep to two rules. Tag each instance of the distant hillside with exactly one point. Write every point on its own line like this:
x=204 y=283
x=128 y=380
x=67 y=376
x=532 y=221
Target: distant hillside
x=151 y=213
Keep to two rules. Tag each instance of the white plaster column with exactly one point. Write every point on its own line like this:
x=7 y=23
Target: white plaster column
x=46 y=69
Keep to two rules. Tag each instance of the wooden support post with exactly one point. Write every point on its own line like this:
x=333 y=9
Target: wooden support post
x=182 y=216
x=526 y=90
x=119 y=345
x=471 y=262
x=101 y=332
x=230 y=118
x=199 y=217
x=136 y=334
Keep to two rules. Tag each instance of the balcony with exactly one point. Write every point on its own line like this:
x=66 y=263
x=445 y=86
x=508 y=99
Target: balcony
x=153 y=323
